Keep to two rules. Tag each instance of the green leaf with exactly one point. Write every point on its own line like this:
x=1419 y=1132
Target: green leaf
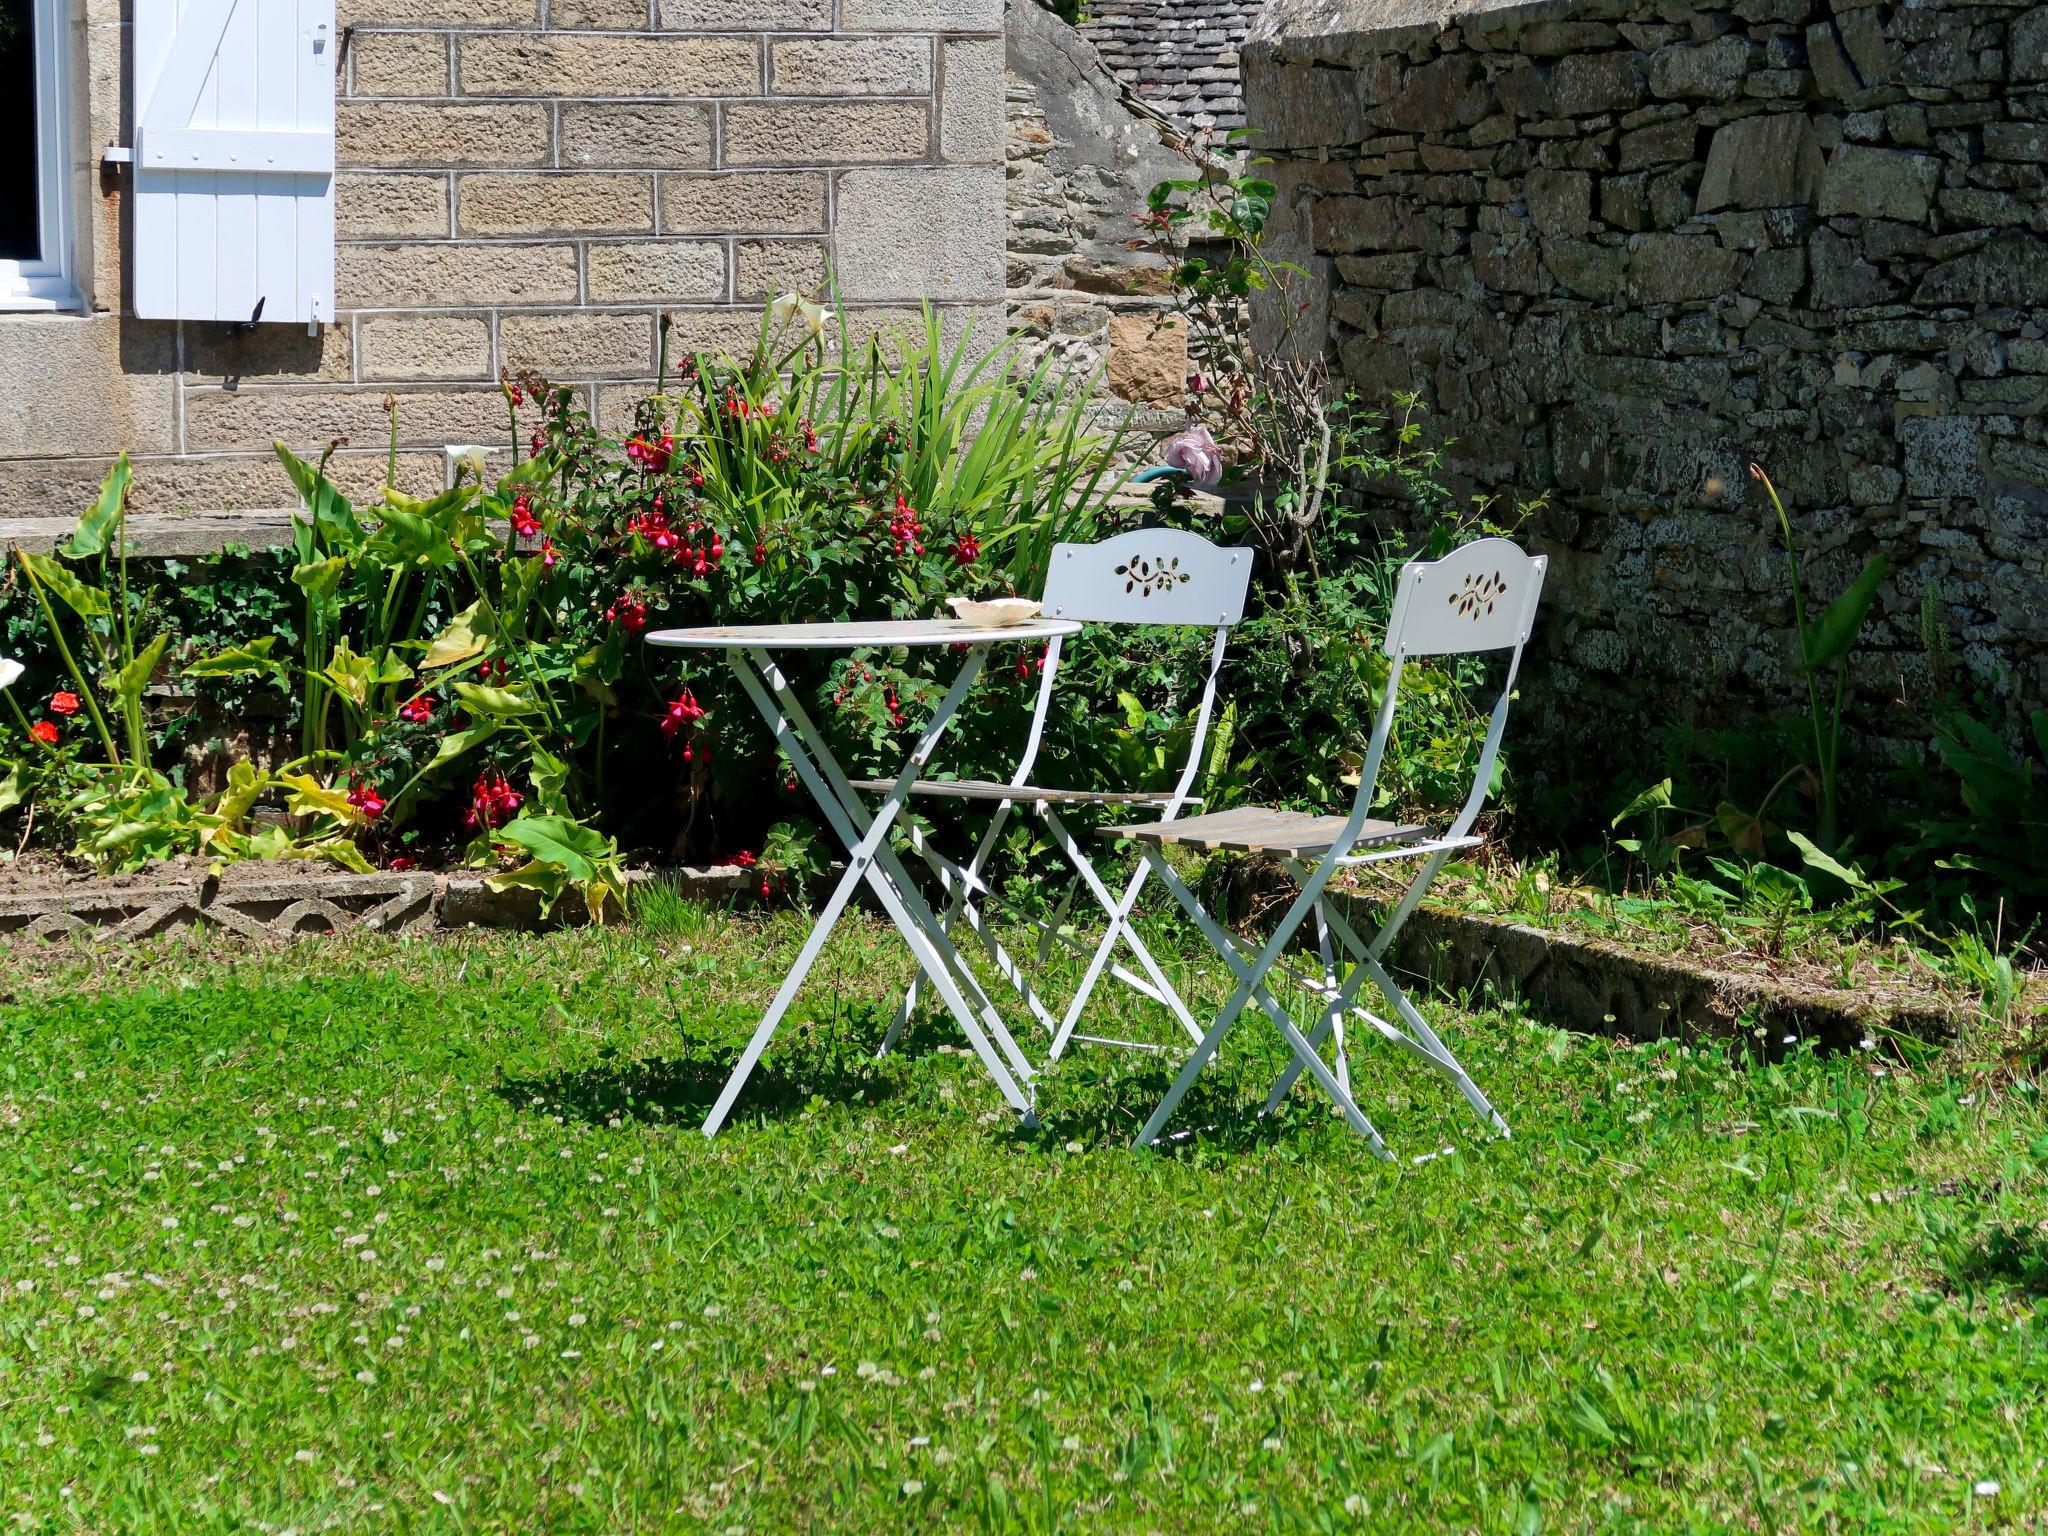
x=1656 y=798
x=133 y=678
x=468 y=634
x=1743 y=829
x=550 y=781
x=98 y=523
x=320 y=577
x=1848 y=874
x=456 y=743
x=312 y=798
x=1830 y=637
x=329 y=512
x=87 y=602
x=239 y=661
x=13 y=788
x=502 y=702
x=560 y=840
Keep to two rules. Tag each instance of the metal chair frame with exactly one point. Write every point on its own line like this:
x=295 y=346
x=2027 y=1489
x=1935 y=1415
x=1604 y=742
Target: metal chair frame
x=1479 y=598
x=1154 y=577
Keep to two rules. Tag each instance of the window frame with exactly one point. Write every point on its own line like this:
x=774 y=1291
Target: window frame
x=48 y=284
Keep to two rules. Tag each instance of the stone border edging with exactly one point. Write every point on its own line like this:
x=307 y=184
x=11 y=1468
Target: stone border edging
x=1602 y=987
x=304 y=902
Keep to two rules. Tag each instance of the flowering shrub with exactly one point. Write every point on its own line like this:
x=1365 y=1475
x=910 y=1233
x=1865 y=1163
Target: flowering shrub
x=469 y=671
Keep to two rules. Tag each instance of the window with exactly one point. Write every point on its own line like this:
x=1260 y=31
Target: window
x=35 y=212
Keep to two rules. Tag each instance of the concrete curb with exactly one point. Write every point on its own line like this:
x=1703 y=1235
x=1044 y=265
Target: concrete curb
x=304 y=902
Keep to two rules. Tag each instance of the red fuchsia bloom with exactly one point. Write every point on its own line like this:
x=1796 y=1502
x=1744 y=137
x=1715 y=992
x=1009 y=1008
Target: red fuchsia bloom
x=629 y=612
x=652 y=457
x=810 y=438
x=1026 y=665
x=744 y=859
x=683 y=711
x=492 y=802
x=905 y=529
x=547 y=554
x=44 y=731
x=535 y=444
x=362 y=794
x=64 y=703
x=767 y=890
x=401 y=862
x=966 y=549
x=418 y=711
x=760 y=553
x=496 y=670
x=524 y=523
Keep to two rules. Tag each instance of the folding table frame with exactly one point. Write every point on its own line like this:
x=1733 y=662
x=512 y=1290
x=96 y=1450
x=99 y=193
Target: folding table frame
x=871 y=861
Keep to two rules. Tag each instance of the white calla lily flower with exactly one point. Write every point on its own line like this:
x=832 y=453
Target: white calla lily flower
x=10 y=671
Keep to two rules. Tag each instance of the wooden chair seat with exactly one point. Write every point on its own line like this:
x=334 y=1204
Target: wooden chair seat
x=1264 y=829
x=1021 y=794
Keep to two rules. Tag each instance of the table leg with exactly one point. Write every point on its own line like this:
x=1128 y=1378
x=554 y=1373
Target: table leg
x=869 y=860
x=890 y=870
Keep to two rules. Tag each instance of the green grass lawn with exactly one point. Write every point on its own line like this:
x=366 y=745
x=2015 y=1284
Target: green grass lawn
x=376 y=1235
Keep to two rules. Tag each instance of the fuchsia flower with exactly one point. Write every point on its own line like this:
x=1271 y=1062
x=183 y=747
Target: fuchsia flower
x=744 y=859
x=905 y=529
x=966 y=549
x=492 y=802
x=629 y=612
x=683 y=711
x=524 y=523
x=418 y=710
x=1195 y=453
x=362 y=794
x=652 y=457
x=547 y=554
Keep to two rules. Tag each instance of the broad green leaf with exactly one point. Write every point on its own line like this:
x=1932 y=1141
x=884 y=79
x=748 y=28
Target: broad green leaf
x=468 y=634
x=133 y=678
x=355 y=676
x=309 y=797
x=1656 y=798
x=13 y=788
x=502 y=702
x=456 y=743
x=1832 y=635
x=320 y=577
x=97 y=524
x=326 y=508
x=1815 y=859
x=560 y=840
x=550 y=781
x=1743 y=829
x=239 y=661
x=87 y=602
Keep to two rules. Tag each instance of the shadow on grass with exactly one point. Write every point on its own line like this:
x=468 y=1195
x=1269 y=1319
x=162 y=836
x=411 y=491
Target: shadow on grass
x=2010 y=1256
x=803 y=1063
x=1107 y=1104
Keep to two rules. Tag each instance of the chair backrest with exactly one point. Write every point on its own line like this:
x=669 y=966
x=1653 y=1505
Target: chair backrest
x=1152 y=576
x=1480 y=597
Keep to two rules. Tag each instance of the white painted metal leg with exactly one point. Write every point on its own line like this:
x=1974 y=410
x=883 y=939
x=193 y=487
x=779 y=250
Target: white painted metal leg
x=1251 y=986
x=868 y=858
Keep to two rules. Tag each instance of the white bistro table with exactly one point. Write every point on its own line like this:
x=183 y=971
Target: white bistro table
x=865 y=833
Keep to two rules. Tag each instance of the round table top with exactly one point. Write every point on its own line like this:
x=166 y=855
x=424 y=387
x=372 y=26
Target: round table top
x=855 y=635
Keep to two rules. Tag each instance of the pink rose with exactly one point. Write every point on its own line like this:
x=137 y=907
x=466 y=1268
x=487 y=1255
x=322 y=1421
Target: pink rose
x=1196 y=455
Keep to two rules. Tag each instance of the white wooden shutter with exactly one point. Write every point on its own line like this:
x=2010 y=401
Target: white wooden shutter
x=234 y=159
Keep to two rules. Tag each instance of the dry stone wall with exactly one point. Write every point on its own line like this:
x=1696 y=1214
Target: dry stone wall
x=529 y=183
x=1624 y=248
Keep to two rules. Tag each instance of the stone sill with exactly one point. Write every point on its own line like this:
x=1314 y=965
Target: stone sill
x=161 y=535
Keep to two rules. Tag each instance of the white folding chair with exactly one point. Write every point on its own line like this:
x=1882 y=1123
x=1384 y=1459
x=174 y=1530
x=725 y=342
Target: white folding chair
x=1479 y=598
x=1157 y=577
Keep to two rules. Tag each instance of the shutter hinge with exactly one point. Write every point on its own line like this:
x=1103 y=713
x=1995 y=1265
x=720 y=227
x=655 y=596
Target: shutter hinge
x=116 y=154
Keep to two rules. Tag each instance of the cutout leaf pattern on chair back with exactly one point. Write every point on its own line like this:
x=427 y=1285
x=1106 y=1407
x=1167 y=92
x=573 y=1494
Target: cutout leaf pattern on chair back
x=1151 y=576
x=1480 y=597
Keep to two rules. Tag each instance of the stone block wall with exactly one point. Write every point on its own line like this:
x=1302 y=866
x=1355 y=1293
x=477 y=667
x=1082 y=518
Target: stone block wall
x=528 y=184
x=1624 y=248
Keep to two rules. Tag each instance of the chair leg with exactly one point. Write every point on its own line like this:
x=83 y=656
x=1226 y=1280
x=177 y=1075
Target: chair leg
x=1251 y=986
x=1118 y=910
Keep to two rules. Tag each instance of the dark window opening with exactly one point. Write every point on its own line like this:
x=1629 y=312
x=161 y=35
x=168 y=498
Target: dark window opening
x=21 y=158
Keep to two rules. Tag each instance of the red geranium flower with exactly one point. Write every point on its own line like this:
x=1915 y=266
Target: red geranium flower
x=44 y=731
x=64 y=703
